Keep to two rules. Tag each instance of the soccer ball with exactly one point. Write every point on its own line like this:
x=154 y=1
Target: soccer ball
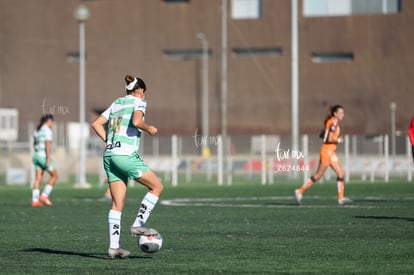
x=150 y=244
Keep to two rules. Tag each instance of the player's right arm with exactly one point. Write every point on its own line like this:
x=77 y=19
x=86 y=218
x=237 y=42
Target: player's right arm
x=98 y=127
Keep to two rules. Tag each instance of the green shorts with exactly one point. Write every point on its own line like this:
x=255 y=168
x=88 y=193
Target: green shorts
x=123 y=167
x=40 y=163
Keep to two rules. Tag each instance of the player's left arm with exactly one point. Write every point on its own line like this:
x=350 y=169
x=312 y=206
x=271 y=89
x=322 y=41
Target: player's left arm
x=138 y=122
x=334 y=140
x=330 y=138
x=99 y=128
x=48 y=145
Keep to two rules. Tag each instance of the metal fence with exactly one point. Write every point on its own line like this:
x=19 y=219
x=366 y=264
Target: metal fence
x=264 y=157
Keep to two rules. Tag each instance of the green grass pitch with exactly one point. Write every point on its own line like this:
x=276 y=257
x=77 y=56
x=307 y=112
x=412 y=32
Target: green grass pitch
x=245 y=228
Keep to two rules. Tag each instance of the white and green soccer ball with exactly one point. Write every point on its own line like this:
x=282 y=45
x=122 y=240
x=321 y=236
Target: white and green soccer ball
x=150 y=244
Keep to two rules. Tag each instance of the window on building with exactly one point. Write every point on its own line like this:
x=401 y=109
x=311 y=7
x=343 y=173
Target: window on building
x=332 y=57
x=315 y=8
x=256 y=51
x=176 y=1
x=184 y=54
x=246 y=9
x=72 y=56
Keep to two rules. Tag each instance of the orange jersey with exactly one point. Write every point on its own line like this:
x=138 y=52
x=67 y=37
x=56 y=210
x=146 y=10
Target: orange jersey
x=327 y=152
x=332 y=130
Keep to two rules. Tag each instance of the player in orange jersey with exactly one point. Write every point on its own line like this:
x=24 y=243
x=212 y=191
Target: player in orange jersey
x=331 y=137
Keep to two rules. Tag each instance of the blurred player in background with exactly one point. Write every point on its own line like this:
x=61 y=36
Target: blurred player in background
x=331 y=137
x=411 y=135
x=42 y=161
x=122 y=161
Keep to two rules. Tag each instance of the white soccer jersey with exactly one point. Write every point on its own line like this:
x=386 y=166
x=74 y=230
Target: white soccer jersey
x=123 y=138
x=40 y=137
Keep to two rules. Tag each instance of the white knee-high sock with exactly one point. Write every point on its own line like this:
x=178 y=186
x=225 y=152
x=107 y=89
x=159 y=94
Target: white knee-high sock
x=147 y=205
x=114 y=220
x=48 y=189
x=35 y=194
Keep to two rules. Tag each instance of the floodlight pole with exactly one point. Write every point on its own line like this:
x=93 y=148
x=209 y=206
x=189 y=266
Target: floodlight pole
x=82 y=14
x=224 y=69
x=205 y=118
x=295 y=83
x=224 y=85
x=393 y=108
x=0 y=75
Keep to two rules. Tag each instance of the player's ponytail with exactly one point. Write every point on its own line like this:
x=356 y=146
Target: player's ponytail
x=133 y=83
x=40 y=124
x=328 y=115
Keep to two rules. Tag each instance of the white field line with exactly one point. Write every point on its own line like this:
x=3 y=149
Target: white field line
x=276 y=198
x=227 y=202
x=257 y=202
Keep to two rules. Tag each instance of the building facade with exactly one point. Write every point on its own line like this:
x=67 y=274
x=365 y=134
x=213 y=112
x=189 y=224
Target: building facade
x=353 y=55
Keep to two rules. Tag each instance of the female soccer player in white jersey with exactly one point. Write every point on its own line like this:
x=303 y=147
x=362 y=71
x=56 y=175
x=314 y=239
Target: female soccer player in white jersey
x=42 y=161
x=125 y=118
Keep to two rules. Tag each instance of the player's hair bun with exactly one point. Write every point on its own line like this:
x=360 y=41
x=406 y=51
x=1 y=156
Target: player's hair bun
x=129 y=78
x=133 y=83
